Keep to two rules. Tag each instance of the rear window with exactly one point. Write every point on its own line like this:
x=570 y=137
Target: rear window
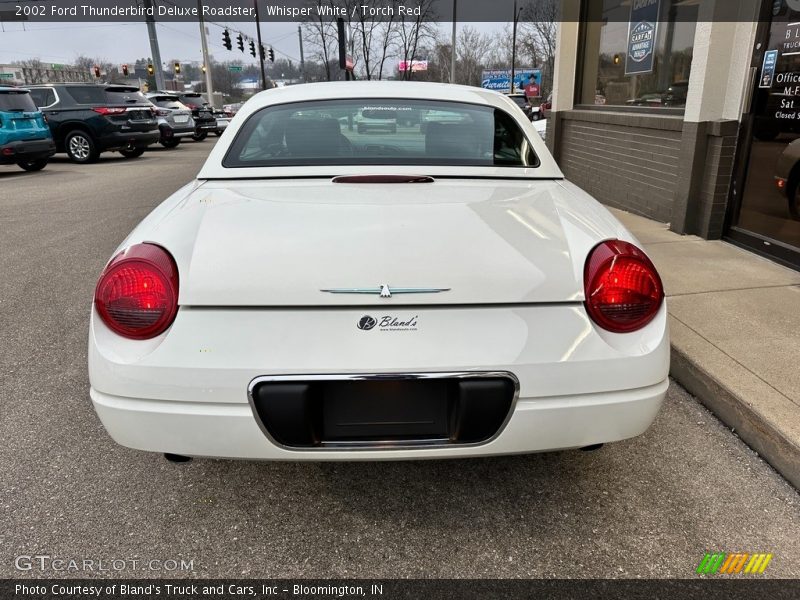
x=380 y=132
x=43 y=96
x=100 y=95
x=17 y=100
x=168 y=102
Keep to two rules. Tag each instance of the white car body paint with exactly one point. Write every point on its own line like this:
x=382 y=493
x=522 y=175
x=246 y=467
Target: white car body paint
x=255 y=246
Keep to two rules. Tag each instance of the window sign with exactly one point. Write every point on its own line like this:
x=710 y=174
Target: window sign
x=768 y=69
x=642 y=31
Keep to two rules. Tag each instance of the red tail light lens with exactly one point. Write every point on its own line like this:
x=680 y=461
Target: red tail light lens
x=623 y=289
x=104 y=110
x=137 y=294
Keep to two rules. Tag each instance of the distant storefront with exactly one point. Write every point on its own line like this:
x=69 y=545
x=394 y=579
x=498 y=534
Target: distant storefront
x=682 y=113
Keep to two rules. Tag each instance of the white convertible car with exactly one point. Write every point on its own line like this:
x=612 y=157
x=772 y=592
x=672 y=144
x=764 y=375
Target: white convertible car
x=427 y=292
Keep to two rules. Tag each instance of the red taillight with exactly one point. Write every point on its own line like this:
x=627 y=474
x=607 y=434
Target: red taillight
x=160 y=112
x=191 y=106
x=623 y=289
x=137 y=294
x=105 y=110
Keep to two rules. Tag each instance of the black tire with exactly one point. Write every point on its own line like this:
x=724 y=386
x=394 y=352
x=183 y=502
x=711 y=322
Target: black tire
x=132 y=152
x=170 y=143
x=80 y=147
x=33 y=165
x=199 y=137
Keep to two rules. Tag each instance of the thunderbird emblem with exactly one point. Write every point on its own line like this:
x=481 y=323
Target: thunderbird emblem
x=384 y=291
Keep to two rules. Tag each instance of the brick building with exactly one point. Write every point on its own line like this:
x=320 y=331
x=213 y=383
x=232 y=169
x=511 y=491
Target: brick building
x=684 y=112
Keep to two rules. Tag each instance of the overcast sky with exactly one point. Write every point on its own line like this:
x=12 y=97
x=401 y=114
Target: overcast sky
x=120 y=43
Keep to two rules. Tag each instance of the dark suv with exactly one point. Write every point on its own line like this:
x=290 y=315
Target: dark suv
x=204 y=120
x=87 y=119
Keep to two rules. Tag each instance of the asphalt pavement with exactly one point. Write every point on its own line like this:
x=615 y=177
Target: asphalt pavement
x=648 y=507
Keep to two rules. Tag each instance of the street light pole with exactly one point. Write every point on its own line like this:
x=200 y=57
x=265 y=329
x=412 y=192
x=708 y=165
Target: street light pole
x=514 y=44
x=302 y=58
x=260 y=46
x=206 y=59
x=151 y=31
x=453 y=57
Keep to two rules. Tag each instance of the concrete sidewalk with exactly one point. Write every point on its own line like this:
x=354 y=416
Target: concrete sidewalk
x=735 y=326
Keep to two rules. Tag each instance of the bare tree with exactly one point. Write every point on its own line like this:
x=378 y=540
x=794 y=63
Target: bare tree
x=320 y=36
x=472 y=50
x=413 y=34
x=374 y=38
x=537 y=37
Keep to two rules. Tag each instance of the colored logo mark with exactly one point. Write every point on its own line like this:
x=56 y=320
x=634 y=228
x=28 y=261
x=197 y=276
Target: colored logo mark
x=726 y=563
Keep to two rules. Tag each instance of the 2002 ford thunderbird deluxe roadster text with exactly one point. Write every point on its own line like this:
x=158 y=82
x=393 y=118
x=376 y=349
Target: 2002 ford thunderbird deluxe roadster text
x=320 y=293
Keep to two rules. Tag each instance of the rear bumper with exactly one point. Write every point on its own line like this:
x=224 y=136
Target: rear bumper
x=231 y=431
x=206 y=125
x=124 y=139
x=186 y=392
x=24 y=150
x=177 y=131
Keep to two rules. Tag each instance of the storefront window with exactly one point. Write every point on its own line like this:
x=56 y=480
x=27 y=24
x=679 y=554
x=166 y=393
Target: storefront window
x=637 y=52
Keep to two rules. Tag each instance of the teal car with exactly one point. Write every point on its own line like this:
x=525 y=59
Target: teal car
x=25 y=137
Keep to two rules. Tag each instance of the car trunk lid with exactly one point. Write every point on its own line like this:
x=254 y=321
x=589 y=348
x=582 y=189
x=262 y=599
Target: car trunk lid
x=282 y=242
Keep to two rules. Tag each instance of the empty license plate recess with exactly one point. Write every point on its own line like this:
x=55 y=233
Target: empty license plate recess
x=373 y=411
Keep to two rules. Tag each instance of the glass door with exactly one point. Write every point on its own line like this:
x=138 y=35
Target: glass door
x=765 y=207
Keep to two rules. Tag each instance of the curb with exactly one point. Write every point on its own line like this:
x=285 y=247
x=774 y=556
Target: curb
x=760 y=433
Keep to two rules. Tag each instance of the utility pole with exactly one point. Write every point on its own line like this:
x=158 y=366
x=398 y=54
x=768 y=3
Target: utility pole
x=151 y=30
x=302 y=59
x=453 y=57
x=206 y=60
x=260 y=45
x=514 y=44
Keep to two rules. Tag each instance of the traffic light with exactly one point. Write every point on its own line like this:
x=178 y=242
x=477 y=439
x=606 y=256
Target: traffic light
x=253 y=49
x=203 y=67
x=125 y=70
x=263 y=52
x=226 y=40
x=240 y=42
x=177 y=68
x=97 y=72
x=151 y=70
x=271 y=55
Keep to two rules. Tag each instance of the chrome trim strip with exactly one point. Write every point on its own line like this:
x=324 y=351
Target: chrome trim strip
x=388 y=445
x=386 y=291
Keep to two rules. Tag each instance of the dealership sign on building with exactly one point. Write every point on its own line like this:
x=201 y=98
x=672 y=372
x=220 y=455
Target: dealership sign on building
x=412 y=65
x=527 y=79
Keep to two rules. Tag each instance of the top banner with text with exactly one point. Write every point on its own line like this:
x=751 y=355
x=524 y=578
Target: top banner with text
x=350 y=10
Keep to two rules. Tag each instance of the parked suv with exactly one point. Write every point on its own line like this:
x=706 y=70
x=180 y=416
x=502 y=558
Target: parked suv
x=24 y=135
x=87 y=119
x=174 y=118
x=204 y=120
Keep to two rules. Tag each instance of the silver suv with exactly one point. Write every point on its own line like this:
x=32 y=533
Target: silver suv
x=175 y=120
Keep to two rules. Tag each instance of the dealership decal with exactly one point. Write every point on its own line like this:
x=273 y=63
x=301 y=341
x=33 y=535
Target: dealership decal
x=387 y=323
x=768 y=69
x=722 y=563
x=642 y=31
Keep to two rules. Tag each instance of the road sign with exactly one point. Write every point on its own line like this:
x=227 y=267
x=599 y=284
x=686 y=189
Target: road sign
x=6 y=76
x=56 y=66
x=234 y=68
